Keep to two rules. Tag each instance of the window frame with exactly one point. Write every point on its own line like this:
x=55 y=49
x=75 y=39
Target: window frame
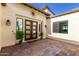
x=16 y=22
x=57 y=28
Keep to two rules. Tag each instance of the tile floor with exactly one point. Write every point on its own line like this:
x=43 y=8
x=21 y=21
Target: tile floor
x=44 y=47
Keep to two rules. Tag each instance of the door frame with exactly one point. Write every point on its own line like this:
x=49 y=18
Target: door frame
x=31 y=29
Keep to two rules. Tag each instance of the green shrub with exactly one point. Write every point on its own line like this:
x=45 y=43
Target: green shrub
x=19 y=36
x=41 y=34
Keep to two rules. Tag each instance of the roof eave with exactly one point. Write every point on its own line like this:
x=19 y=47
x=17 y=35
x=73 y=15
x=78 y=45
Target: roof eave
x=36 y=9
x=48 y=9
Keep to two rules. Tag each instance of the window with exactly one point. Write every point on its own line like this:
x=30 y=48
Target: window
x=19 y=24
x=63 y=27
x=60 y=27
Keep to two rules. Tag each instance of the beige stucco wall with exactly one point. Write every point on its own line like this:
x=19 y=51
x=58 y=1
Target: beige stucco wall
x=9 y=12
x=48 y=21
x=0 y=25
x=49 y=26
x=73 y=27
x=8 y=37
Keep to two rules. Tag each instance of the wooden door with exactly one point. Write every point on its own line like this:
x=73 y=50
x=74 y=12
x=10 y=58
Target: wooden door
x=30 y=30
x=34 y=30
x=27 y=29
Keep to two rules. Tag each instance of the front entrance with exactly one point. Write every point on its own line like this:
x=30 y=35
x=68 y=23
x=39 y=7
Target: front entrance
x=30 y=30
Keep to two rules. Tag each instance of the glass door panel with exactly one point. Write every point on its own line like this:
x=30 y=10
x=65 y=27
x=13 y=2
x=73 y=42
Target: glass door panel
x=34 y=27
x=27 y=32
x=28 y=27
x=27 y=36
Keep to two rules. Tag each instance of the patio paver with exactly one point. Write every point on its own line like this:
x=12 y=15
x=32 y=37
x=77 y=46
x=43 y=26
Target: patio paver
x=44 y=47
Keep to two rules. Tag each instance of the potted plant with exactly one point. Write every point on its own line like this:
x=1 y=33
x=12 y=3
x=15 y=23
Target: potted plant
x=19 y=36
x=41 y=34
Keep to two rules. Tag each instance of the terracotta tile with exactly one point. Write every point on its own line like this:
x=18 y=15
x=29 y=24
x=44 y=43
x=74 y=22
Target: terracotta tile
x=44 y=47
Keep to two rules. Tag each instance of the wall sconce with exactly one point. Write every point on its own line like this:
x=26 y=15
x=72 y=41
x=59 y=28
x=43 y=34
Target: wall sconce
x=45 y=26
x=3 y=4
x=33 y=13
x=8 y=22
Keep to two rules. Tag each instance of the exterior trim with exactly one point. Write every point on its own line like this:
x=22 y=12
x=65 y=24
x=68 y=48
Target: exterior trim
x=65 y=13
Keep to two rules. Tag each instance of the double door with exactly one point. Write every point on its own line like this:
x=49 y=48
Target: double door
x=30 y=30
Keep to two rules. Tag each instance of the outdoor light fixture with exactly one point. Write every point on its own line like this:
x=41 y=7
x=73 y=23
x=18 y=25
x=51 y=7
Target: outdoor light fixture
x=45 y=26
x=33 y=13
x=3 y=4
x=8 y=22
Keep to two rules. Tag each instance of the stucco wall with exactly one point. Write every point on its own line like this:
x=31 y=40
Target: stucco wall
x=48 y=21
x=10 y=12
x=49 y=26
x=0 y=25
x=8 y=37
x=73 y=27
